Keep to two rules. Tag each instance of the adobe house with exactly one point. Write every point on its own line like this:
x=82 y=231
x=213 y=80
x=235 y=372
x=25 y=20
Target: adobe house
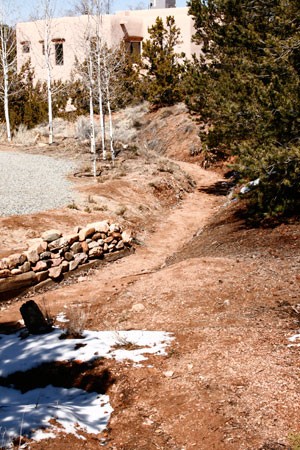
x=67 y=36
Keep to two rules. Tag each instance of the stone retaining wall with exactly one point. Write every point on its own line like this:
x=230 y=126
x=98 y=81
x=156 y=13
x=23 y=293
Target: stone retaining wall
x=52 y=255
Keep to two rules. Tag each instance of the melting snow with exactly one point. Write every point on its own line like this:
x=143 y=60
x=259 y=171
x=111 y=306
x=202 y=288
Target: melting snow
x=74 y=409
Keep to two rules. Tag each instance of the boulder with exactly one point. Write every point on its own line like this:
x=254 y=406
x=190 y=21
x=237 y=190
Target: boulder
x=81 y=257
x=3 y=264
x=42 y=276
x=85 y=246
x=68 y=256
x=16 y=272
x=114 y=227
x=56 y=262
x=18 y=282
x=73 y=264
x=37 y=244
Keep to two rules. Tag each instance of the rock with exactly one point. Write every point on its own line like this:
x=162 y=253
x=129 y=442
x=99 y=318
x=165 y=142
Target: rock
x=127 y=236
x=46 y=255
x=68 y=256
x=105 y=247
x=40 y=266
x=51 y=235
x=120 y=245
x=5 y=273
x=96 y=236
x=116 y=235
x=76 y=247
x=42 y=276
x=93 y=244
x=168 y=374
x=71 y=238
x=108 y=240
x=73 y=264
x=37 y=244
x=100 y=242
x=55 y=272
x=32 y=255
x=85 y=233
x=26 y=267
x=81 y=257
x=100 y=227
x=96 y=252
x=18 y=281
x=114 y=227
x=34 y=319
x=85 y=246
x=3 y=264
x=138 y=307
x=65 y=266
x=56 y=262
x=16 y=272
x=58 y=243
x=16 y=260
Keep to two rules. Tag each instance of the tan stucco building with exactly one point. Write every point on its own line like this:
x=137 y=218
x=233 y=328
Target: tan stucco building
x=67 y=37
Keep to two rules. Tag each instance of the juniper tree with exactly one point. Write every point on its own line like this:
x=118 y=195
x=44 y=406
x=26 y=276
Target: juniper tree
x=247 y=87
x=162 y=63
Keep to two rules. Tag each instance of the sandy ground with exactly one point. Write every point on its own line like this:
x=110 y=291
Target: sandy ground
x=226 y=291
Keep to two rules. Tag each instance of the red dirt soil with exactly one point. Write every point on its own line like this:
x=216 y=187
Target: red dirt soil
x=226 y=291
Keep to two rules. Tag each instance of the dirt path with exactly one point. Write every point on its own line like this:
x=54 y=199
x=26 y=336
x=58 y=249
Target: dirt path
x=227 y=382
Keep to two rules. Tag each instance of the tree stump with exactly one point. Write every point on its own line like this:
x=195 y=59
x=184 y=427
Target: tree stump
x=34 y=319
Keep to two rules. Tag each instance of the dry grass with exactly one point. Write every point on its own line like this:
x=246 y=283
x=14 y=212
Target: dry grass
x=24 y=136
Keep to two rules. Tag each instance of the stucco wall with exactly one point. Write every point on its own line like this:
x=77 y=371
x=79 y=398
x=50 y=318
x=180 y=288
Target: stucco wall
x=72 y=30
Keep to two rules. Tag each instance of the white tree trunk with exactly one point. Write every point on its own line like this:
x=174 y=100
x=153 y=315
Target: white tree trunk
x=47 y=44
x=111 y=134
x=92 y=119
x=5 y=65
x=100 y=100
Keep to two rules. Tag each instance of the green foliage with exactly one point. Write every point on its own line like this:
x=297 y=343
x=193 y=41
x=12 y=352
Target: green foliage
x=246 y=86
x=162 y=82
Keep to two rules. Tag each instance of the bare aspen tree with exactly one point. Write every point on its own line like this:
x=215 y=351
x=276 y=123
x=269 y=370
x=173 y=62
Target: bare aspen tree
x=8 y=61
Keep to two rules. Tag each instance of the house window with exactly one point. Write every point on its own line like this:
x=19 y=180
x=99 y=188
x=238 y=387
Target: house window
x=133 y=47
x=25 y=47
x=43 y=47
x=59 y=54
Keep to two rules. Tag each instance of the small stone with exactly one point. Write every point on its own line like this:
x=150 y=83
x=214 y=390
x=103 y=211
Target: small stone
x=96 y=236
x=138 y=307
x=73 y=264
x=55 y=272
x=120 y=245
x=127 y=236
x=16 y=272
x=16 y=260
x=71 y=238
x=56 y=262
x=81 y=257
x=40 y=266
x=65 y=266
x=45 y=255
x=101 y=227
x=114 y=227
x=108 y=240
x=58 y=243
x=93 y=244
x=85 y=233
x=76 y=247
x=42 y=276
x=5 y=273
x=3 y=264
x=32 y=255
x=100 y=242
x=37 y=244
x=96 y=252
x=85 y=246
x=26 y=267
x=68 y=256
x=168 y=374
x=51 y=235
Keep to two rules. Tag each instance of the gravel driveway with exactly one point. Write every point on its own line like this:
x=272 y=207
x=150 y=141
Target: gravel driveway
x=33 y=183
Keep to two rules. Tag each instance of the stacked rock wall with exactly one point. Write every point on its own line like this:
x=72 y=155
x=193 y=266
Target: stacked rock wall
x=52 y=255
